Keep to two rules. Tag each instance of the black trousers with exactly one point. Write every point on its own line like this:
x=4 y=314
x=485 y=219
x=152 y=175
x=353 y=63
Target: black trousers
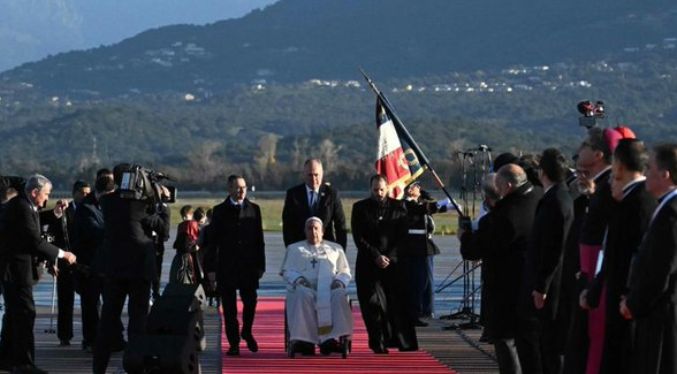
x=506 y=356
x=90 y=288
x=159 y=254
x=65 y=291
x=115 y=291
x=537 y=346
x=384 y=306
x=229 y=303
x=19 y=321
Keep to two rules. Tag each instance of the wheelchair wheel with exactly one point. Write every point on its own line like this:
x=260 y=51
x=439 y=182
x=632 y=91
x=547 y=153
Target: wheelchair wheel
x=346 y=346
x=290 y=350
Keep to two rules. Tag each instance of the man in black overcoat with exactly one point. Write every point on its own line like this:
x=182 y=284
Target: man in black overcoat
x=22 y=245
x=236 y=260
x=652 y=297
x=536 y=341
x=128 y=265
x=62 y=228
x=313 y=199
x=501 y=242
x=379 y=226
x=86 y=241
x=626 y=228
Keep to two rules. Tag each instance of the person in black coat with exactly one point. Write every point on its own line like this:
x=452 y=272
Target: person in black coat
x=86 y=241
x=652 y=297
x=128 y=265
x=501 y=242
x=379 y=226
x=313 y=199
x=22 y=244
x=236 y=260
x=626 y=228
x=536 y=341
x=62 y=229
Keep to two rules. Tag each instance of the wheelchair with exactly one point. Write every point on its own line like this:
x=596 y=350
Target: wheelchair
x=345 y=342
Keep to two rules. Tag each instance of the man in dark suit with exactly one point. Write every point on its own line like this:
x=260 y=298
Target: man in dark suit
x=23 y=242
x=652 y=297
x=379 y=226
x=236 y=260
x=536 y=341
x=313 y=199
x=62 y=229
x=86 y=240
x=501 y=242
x=626 y=228
x=128 y=265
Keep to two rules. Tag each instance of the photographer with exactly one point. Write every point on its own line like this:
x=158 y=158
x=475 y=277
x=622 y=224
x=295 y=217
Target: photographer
x=128 y=260
x=22 y=241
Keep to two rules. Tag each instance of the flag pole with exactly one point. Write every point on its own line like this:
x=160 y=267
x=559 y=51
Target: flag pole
x=407 y=136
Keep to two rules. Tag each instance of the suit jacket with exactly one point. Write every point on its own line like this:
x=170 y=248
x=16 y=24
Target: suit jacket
x=543 y=270
x=296 y=211
x=88 y=231
x=128 y=251
x=236 y=250
x=23 y=242
x=600 y=205
x=379 y=228
x=627 y=226
x=652 y=298
x=502 y=241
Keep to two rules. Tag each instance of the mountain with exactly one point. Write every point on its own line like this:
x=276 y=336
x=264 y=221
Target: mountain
x=297 y=40
x=33 y=29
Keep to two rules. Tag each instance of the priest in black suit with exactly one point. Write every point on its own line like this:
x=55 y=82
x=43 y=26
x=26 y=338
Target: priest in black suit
x=652 y=297
x=313 y=199
x=536 y=341
x=379 y=226
x=626 y=228
x=22 y=244
x=501 y=242
x=236 y=260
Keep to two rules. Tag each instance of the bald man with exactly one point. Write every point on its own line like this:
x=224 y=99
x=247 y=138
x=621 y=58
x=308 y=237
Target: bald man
x=501 y=241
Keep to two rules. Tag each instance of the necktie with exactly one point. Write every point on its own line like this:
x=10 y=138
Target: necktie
x=313 y=202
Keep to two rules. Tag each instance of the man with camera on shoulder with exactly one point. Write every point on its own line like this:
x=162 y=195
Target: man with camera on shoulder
x=22 y=242
x=127 y=259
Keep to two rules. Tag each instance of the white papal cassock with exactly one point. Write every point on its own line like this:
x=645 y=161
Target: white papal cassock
x=318 y=313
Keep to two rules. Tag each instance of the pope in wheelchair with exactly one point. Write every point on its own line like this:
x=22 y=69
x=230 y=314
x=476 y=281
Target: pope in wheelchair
x=317 y=306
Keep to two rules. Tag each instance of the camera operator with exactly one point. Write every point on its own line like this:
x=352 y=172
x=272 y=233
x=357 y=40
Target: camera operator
x=128 y=263
x=22 y=242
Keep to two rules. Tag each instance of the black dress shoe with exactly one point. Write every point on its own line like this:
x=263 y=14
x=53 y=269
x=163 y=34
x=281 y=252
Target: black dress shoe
x=27 y=369
x=304 y=348
x=233 y=351
x=380 y=350
x=64 y=342
x=419 y=323
x=329 y=346
x=252 y=345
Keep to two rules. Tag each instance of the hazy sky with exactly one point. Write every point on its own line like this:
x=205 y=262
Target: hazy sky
x=32 y=29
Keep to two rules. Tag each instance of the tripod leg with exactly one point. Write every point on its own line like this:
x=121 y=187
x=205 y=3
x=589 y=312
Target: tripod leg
x=51 y=330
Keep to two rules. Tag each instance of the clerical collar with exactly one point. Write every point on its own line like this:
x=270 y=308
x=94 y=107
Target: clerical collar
x=601 y=173
x=632 y=185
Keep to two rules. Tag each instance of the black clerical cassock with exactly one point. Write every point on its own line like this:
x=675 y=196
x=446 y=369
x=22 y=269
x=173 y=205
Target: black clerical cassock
x=379 y=228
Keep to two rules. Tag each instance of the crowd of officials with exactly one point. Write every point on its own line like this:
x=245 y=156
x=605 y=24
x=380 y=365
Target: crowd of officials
x=579 y=264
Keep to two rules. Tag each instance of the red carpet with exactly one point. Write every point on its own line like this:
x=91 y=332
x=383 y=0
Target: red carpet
x=272 y=358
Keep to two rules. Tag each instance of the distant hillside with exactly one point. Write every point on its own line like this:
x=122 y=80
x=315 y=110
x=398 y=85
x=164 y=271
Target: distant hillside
x=298 y=40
